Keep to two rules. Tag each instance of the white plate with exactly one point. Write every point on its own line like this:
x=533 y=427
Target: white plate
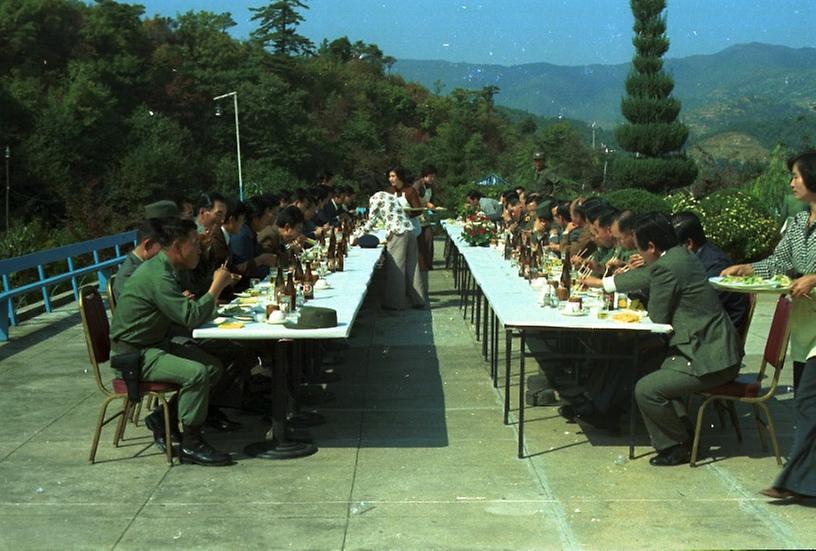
x=279 y=322
x=577 y=314
x=765 y=286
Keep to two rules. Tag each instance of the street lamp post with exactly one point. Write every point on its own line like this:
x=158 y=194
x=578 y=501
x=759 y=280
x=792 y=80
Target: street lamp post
x=237 y=140
x=8 y=185
x=594 y=126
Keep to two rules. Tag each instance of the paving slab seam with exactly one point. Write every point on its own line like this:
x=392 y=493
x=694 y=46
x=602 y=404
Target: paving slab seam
x=568 y=537
x=367 y=364
x=750 y=504
x=141 y=508
x=41 y=430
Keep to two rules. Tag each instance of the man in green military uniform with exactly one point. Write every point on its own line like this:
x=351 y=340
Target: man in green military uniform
x=148 y=244
x=151 y=310
x=545 y=179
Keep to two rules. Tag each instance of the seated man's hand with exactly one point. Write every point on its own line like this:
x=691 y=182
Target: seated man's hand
x=590 y=281
x=636 y=261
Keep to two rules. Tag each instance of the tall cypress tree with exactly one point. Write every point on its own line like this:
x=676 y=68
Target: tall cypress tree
x=652 y=131
x=278 y=27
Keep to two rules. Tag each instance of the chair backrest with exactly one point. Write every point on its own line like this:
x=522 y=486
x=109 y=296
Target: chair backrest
x=776 y=347
x=112 y=297
x=746 y=325
x=97 y=329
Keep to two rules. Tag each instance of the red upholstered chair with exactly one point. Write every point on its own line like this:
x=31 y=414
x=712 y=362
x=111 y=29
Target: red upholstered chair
x=97 y=337
x=751 y=393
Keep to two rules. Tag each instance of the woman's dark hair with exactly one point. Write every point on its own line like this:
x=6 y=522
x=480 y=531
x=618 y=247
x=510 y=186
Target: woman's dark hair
x=474 y=195
x=534 y=198
x=655 y=227
x=176 y=230
x=806 y=163
x=687 y=226
x=289 y=216
x=400 y=172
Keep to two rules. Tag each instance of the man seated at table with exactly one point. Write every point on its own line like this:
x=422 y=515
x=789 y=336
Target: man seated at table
x=332 y=209
x=152 y=310
x=623 y=230
x=210 y=212
x=147 y=236
x=704 y=349
x=488 y=206
x=601 y=220
x=690 y=232
x=281 y=238
x=246 y=246
x=220 y=253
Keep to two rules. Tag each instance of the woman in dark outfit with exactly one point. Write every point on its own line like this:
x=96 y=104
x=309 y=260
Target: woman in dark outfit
x=795 y=256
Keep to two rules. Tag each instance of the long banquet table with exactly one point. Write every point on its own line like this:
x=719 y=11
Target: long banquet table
x=514 y=305
x=346 y=295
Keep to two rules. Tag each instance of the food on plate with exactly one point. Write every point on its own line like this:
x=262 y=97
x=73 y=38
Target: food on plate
x=626 y=317
x=248 y=300
x=231 y=325
x=757 y=281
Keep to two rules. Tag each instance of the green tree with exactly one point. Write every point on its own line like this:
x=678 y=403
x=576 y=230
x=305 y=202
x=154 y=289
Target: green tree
x=652 y=132
x=278 y=28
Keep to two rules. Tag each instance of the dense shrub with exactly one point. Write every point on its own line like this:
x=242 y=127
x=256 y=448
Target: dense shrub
x=733 y=220
x=638 y=200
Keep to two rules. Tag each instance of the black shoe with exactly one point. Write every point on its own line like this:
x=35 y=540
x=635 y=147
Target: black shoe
x=541 y=397
x=202 y=453
x=573 y=412
x=676 y=455
x=155 y=423
x=218 y=420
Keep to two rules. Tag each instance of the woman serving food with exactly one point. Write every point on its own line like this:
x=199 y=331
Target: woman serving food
x=795 y=257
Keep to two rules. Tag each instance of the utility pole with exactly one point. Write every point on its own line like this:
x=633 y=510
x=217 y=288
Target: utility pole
x=237 y=139
x=8 y=186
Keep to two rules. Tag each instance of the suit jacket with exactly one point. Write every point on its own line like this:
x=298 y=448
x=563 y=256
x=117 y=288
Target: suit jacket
x=715 y=261
x=328 y=214
x=679 y=294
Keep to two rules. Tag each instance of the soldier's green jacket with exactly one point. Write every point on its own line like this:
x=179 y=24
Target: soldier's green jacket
x=602 y=255
x=126 y=270
x=152 y=305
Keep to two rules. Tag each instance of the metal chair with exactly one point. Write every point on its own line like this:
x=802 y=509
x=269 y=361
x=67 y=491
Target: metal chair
x=97 y=337
x=111 y=296
x=749 y=393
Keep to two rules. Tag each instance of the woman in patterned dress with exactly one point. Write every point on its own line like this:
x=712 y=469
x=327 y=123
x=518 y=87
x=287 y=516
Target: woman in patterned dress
x=795 y=256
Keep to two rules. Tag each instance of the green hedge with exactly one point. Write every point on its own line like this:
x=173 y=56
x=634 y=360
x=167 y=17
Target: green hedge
x=734 y=221
x=637 y=200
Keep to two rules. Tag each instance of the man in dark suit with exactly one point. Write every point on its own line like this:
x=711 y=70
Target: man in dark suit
x=704 y=349
x=690 y=232
x=332 y=209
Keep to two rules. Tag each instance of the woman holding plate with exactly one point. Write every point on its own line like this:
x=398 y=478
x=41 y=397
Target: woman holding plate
x=795 y=256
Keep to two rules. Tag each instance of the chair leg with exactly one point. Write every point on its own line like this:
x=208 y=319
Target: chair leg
x=718 y=407
x=732 y=412
x=100 y=421
x=167 y=439
x=761 y=427
x=120 y=427
x=697 y=430
x=772 y=431
x=136 y=413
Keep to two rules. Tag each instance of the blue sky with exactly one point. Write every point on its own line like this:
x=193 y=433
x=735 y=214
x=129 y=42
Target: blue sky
x=511 y=32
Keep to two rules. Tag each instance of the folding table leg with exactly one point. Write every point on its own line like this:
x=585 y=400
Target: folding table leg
x=508 y=348
x=478 y=291
x=484 y=328
x=633 y=408
x=495 y=359
x=521 y=398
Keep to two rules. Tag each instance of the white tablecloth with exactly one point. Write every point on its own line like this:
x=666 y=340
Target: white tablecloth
x=346 y=296
x=515 y=302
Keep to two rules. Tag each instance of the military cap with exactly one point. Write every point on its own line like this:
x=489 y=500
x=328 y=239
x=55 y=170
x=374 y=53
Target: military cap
x=538 y=156
x=162 y=209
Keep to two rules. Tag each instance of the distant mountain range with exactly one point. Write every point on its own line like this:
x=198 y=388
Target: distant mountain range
x=763 y=92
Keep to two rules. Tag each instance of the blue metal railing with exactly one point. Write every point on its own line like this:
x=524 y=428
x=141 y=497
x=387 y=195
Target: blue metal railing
x=45 y=259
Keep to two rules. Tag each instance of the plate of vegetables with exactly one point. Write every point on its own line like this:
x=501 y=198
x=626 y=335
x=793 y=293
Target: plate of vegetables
x=779 y=284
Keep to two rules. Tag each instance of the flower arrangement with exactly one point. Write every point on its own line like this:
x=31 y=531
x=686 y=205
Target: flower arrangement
x=478 y=230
